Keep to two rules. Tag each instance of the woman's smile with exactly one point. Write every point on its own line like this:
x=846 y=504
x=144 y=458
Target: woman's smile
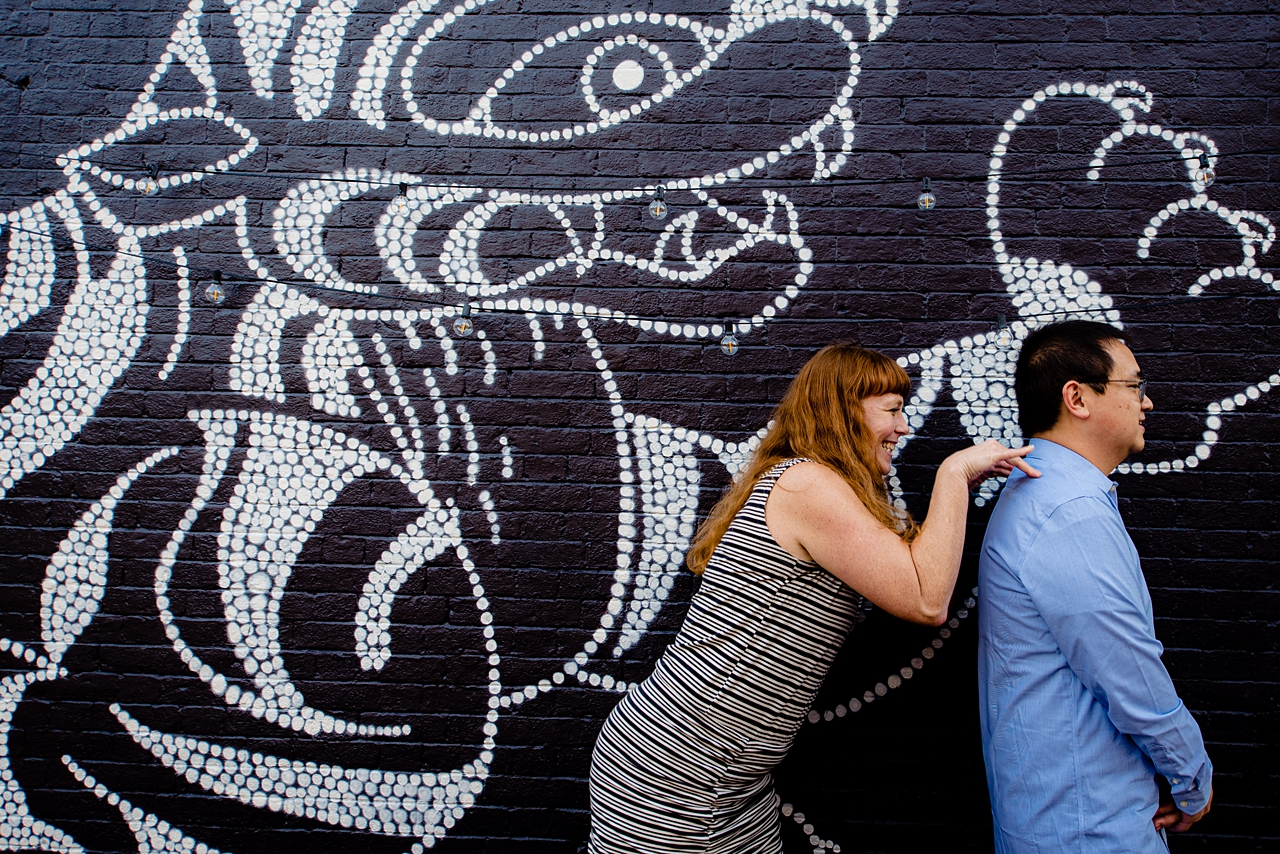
x=887 y=423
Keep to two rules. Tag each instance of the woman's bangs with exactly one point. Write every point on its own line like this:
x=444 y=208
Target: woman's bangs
x=885 y=376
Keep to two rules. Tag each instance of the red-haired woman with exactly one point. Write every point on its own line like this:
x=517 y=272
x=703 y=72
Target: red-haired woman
x=683 y=763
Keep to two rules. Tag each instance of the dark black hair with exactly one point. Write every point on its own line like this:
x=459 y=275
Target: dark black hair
x=1053 y=356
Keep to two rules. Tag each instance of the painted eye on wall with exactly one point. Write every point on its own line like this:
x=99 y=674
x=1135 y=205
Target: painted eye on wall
x=627 y=64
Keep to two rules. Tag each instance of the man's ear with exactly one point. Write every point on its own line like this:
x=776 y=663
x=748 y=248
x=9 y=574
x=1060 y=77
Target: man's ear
x=1073 y=400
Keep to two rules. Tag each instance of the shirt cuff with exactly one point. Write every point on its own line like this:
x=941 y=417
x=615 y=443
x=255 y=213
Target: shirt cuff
x=1191 y=792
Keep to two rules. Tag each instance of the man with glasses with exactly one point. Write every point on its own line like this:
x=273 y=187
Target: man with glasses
x=1088 y=748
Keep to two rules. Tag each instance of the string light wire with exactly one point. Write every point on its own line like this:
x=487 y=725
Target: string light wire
x=198 y=274
x=688 y=183
x=217 y=295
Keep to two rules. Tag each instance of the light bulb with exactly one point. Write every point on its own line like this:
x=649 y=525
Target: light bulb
x=658 y=207
x=401 y=204
x=729 y=344
x=150 y=185
x=927 y=200
x=1205 y=174
x=1004 y=335
x=462 y=324
x=215 y=293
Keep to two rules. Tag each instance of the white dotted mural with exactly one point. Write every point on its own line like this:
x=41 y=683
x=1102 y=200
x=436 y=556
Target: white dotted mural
x=73 y=586
x=291 y=470
x=1044 y=290
x=153 y=834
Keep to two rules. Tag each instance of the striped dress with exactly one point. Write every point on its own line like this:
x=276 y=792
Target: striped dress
x=683 y=762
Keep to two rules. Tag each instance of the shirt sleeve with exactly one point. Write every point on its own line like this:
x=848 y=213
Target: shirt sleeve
x=1084 y=577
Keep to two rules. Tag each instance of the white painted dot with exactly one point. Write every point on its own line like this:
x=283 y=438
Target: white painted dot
x=628 y=75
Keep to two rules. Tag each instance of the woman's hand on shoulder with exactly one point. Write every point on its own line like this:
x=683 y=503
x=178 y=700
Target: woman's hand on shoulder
x=976 y=463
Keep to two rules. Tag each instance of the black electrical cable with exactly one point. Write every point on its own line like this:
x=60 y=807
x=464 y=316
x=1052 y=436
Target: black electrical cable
x=467 y=181
x=399 y=300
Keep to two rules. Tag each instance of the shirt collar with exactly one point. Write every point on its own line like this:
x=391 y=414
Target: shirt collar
x=1065 y=462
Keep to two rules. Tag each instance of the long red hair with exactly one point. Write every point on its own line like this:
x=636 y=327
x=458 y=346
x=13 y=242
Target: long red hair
x=820 y=418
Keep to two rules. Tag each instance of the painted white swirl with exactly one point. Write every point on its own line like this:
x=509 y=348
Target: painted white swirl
x=669 y=482
x=76 y=576
x=301 y=215
x=315 y=56
x=290 y=475
x=329 y=356
x=28 y=275
x=255 y=349
x=390 y=803
x=153 y=834
x=74 y=583
x=424 y=540
x=101 y=329
x=263 y=26
x=399 y=224
x=19 y=829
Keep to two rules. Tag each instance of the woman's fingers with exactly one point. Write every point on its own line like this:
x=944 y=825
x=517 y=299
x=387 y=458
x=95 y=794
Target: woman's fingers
x=992 y=459
x=1026 y=467
x=1014 y=457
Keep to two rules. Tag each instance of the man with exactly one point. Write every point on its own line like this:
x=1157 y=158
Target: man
x=1087 y=746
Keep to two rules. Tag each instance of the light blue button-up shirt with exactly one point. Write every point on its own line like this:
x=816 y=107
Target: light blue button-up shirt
x=1078 y=712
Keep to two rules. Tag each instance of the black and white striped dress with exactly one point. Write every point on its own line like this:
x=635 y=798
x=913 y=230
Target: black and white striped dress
x=683 y=762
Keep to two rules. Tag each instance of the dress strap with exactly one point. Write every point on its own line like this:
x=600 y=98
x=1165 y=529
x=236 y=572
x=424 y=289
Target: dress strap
x=769 y=478
x=776 y=472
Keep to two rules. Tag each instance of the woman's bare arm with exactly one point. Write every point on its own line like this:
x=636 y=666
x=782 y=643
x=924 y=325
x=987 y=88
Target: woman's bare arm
x=815 y=515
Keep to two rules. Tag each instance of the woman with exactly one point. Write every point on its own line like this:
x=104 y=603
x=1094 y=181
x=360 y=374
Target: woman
x=683 y=763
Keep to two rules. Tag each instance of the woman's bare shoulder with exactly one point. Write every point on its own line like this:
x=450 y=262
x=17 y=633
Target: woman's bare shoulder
x=814 y=491
x=808 y=476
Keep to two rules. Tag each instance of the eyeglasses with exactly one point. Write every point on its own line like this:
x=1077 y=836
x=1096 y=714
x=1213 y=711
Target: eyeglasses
x=1140 y=385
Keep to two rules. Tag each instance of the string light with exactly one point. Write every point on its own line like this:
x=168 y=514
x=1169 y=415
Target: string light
x=151 y=184
x=658 y=207
x=462 y=325
x=159 y=260
x=759 y=181
x=400 y=206
x=215 y=293
x=729 y=343
x=927 y=199
x=1205 y=174
x=1003 y=334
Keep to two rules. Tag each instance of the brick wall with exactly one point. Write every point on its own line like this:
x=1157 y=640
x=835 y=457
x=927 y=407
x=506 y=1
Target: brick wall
x=308 y=561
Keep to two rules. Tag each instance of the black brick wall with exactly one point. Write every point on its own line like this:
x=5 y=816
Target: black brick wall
x=900 y=773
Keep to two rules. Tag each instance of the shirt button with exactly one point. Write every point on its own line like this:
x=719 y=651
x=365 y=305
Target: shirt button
x=1175 y=781
x=1182 y=803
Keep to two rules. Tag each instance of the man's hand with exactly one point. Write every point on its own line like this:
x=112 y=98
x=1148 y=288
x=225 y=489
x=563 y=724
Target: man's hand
x=1168 y=815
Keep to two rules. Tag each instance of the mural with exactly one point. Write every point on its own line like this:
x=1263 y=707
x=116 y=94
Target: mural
x=410 y=374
